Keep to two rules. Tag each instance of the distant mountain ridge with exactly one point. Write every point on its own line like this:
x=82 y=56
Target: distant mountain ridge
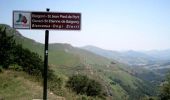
x=131 y=57
x=159 y=54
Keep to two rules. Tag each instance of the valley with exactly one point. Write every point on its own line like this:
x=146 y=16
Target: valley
x=127 y=75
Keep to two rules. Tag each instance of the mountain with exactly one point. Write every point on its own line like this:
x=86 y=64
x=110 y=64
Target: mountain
x=128 y=57
x=151 y=65
x=119 y=82
x=159 y=54
x=149 y=59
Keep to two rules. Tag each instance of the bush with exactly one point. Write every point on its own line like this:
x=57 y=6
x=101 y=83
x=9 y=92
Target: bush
x=94 y=88
x=83 y=85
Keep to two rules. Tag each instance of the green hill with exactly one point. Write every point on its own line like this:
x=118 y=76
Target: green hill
x=118 y=81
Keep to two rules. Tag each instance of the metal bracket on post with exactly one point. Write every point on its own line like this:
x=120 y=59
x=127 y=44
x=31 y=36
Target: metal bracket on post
x=45 y=63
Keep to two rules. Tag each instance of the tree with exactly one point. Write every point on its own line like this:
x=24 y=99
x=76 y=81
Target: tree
x=6 y=48
x=12 y=53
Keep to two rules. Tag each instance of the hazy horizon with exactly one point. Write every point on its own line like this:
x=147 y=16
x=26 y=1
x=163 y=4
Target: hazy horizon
x=112 y=25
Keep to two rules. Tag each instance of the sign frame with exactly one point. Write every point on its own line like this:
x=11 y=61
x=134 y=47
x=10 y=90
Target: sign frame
x=20 y=11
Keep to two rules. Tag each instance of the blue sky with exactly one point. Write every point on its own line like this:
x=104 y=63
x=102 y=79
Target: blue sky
x=109 y=24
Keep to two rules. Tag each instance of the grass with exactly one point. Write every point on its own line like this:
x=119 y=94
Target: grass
x=119 y=93
x=58 y=57
x=20 y=86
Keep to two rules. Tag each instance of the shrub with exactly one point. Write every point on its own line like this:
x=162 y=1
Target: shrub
x=94 y=88
x=83 y=85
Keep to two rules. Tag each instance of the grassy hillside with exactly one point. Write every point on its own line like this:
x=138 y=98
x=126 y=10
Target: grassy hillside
x=20 y=86
x=118 y=82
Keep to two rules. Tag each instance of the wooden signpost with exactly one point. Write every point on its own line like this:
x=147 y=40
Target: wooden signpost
x=46 y=21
